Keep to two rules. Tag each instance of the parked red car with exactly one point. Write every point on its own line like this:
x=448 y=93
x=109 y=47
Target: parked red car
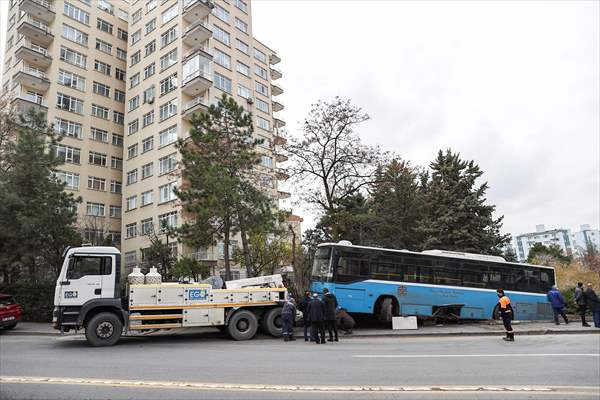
x=10 y=311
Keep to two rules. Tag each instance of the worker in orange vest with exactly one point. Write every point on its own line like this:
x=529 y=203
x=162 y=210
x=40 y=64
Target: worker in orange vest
x=506 y=312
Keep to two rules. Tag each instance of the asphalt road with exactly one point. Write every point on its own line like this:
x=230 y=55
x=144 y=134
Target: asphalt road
x=558 y=366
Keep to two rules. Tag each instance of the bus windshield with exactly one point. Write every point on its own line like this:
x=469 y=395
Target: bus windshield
x=322 y=264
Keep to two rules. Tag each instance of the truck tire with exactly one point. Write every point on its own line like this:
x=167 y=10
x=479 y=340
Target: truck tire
x=242 y=325
x=272 y=322
x=103 y=329
x=386 y=311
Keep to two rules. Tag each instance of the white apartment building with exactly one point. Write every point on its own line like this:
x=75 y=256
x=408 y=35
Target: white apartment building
x=571 y=244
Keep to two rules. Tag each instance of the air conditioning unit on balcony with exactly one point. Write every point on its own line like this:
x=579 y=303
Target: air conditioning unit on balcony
x=250 y=100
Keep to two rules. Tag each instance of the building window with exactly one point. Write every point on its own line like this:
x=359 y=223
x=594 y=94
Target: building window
x=70 y=179
x=95 y=183
x=131 y=203
x=263 y=123
x=260 y=56
x=116 y=187
x=146 y=224
x=221 y=13
x=222 y=83
x=124 y=15
x=116 y=162
x=106 y=6
x=99 y=135
x=260 y=71
x=133 y=127
x=97 y=158
x=72 y=57
x=121 y=54
x=241 y=5
x=151 y=5
x=118 y=117
x=76 y=13
x=262 y=105
x=146 y=198
x=149 y=71
x=243 y=69
x=150 y=26
x=168 y=84
x=69 y=103
x=119 y=96
x=244 y=92
x=134 y=80
x=147 y=119
x=147 y=170
x=120 y=74
x=135 y=58
x=68 y=128
x=220 y=35
x=168 y=136
x=168 y=109
x=148 y=95
x=130 y=232
x=101 y=89
x=168 y=59
x=101 y=67
x=147 y=144
x=267 y=161
x=221 y=58
x=167 y=221
x=241 y=46
x=167 y=163
x=74 y=35
x=136 y=16
x=136 y=36
x=115 y=211
x=104 y=26
x=103 y=46
x=134 y=103
x=149 y=48
x=132 y=177
x=166 y=192
x=99 y=111
x=241 y=25
x=168 y=37
x=121 y=34
x=117 y=140
x=169 y=14
x=95 y=209
x=262 y=89
x=68 y=154
x=132 y=151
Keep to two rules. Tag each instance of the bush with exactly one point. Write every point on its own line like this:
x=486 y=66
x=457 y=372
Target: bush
x=36 y=298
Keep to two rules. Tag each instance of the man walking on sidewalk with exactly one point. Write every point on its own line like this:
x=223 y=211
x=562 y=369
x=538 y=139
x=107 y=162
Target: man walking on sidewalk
x=594 y=303
x=288 y=314
x=506 y=312
x=330 y=306
x=580 y=303
x=558 y=304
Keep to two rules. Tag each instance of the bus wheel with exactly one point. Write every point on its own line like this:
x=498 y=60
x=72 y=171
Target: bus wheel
x=272 y=322
x=242 y=325
x=386 y=310
x=103 y=329
x=496 y=313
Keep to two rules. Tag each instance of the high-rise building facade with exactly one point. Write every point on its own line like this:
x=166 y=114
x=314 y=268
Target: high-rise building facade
x=120 y=81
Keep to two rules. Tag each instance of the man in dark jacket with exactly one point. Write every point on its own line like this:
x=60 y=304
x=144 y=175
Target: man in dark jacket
x=558 y=303
x=579 y=298
x=316 y=313
x=330 y=306
x=303 y=306
x=288 y=315
x=593 y=302
x=344 y=321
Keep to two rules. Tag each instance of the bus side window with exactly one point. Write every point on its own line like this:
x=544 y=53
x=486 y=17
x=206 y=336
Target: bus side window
x=545 y=281
x=495 y=278
x=425 y=274
x=447 y=276
x=410 y=274
x=534 y=279
x=473 y=276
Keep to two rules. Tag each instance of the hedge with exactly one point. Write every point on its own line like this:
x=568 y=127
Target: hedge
x=36 y=299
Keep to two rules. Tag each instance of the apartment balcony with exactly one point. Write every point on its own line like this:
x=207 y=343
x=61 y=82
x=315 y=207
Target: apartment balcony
x=196 y=82
x=35 y=31
x=32 y=55
x=275 y=74
x=196 y=34
x=283 y=195
x=281 y=175
x=276 y=90
x=23 y=101
x=279 y=140
x=277 y=106
x=194 y=10
x=31 y=78
x=274 y=59
x=278 y=124
x=198 y=105
x=40 y=9
x=202 y=50
x=280 y=157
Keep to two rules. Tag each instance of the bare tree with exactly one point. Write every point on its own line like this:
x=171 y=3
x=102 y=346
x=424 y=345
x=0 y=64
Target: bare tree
x=329 y=163
x=95 y=230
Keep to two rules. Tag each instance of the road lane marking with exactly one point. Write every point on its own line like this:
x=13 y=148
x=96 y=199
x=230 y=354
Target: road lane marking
x=473 y=355
x=39 y=380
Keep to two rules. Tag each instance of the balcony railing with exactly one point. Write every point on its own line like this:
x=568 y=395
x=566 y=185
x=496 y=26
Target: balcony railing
x=31 y=71
x=36 y=23
x=42 y=3
x=188 y=3
x=199 y=73
x=200 y=48
x=197 y=101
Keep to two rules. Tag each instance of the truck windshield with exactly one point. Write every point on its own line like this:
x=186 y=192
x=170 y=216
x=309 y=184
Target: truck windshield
x=322 y=264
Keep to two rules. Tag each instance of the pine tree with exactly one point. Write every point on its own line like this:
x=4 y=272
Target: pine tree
x=457 y=216
x=218 y=160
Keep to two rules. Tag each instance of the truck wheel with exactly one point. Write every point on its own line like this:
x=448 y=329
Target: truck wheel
x=242 y=325
x=272 y=322
x=103 y=329
x=385 y=311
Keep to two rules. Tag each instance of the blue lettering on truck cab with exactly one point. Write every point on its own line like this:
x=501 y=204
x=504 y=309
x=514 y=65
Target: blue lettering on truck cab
x=71 y=294
x=197 y=294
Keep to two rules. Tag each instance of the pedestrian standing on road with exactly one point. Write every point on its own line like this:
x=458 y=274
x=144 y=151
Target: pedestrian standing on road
x=288 y=315
x=580 y=302
x=558 y=303
x=316 y=312
x=331 y=304
x=593 y=302
x=303 y=306
x=344 y=321
x=506 y=312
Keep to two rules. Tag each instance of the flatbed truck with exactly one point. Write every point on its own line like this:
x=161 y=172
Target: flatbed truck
x=89 y=296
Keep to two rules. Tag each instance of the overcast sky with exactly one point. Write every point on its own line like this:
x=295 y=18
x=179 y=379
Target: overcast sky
x=512 y=85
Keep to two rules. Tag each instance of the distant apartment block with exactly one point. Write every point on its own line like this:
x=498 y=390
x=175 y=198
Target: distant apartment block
x=571 y=244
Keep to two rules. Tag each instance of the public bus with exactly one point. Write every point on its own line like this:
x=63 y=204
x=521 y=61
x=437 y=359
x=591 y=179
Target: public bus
x=386 y=282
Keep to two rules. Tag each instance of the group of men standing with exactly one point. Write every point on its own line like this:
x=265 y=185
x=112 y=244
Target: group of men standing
x=319 y=315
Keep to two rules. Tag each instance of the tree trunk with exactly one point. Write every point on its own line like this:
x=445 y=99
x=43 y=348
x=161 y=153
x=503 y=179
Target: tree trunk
x=293 y=248
x=246 y=251
x=226 y=233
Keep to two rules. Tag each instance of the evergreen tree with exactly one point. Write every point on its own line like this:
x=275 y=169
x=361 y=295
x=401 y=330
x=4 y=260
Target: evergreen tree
x=36 y=215
x=456 y=214
x=538 y=253
x=218 y=160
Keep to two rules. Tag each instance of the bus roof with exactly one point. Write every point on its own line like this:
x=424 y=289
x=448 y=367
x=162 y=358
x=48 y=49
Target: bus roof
x=439 y=253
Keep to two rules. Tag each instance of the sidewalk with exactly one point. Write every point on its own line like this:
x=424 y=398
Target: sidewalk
x=482 y=328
